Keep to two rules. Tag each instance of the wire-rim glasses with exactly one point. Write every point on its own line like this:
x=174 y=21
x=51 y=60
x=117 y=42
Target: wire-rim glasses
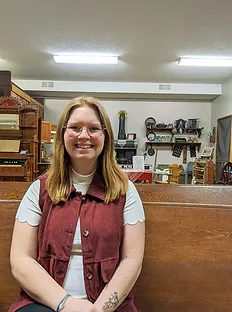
x=93 y=131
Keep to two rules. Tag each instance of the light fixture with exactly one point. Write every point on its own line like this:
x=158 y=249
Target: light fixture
x=85 y=59
x=219 y=62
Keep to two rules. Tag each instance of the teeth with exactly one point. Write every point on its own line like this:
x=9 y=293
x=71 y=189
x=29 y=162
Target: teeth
x=83 y=146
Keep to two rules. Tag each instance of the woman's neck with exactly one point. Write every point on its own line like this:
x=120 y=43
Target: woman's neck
x=82 y=175
x=81 y=179
x=83 y=170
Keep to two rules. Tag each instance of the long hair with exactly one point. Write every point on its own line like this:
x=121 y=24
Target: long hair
x=58 y=176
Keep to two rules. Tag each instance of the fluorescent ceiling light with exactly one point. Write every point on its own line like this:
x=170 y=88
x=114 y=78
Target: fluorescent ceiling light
x=220 y=62
x=86 y=59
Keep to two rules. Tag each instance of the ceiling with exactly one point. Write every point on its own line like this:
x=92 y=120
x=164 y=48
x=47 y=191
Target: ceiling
x=148 y=35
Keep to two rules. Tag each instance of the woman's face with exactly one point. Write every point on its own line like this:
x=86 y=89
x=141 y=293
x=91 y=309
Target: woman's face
x=84 y=145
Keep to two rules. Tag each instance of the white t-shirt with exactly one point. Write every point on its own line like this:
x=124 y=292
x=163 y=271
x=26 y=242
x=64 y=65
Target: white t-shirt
x=29 y=211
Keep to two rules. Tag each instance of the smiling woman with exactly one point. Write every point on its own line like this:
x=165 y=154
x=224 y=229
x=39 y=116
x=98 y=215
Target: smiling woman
x=78 y=238
x=84 y=139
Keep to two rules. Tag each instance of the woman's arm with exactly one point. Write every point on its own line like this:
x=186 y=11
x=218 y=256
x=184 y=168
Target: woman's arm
x=38 y=284
x=33 y=278
x=128 y=270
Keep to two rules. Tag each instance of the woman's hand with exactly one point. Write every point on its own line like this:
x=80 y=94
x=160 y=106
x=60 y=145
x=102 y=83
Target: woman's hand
x=78 y=305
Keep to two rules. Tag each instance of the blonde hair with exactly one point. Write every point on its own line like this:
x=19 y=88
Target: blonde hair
x=58 y=177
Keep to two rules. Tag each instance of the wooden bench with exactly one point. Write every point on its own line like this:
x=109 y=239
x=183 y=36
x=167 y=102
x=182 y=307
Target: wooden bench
x=188 y=257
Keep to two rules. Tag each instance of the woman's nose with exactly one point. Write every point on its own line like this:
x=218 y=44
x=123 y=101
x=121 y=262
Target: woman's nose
x=84 y=133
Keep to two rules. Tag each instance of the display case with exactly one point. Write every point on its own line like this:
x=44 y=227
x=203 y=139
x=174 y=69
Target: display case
x=18 y=141
x=20 y=126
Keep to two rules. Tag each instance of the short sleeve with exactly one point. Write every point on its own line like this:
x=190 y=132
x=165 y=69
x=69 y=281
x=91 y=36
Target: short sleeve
x=133 y=210
x=29 y=209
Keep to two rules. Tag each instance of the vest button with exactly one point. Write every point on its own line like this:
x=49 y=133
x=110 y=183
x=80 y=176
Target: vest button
x=86 y=233
x=89 y=275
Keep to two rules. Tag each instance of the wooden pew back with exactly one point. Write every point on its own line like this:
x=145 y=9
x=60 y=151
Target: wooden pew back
x=187 y=263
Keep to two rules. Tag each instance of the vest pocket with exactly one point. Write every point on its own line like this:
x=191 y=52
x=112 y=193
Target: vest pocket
x=108 y=268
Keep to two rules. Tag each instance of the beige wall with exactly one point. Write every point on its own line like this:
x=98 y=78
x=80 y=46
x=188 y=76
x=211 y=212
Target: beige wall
x=222 y=106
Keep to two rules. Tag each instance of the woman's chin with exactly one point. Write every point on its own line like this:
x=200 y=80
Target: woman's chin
x=83 y=152
x=84 y=157
x=84 y=164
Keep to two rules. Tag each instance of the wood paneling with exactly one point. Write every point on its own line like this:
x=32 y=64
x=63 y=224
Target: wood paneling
x=13 y=190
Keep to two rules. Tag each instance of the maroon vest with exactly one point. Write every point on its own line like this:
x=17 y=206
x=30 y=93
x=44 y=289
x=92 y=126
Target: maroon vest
x=101 y=227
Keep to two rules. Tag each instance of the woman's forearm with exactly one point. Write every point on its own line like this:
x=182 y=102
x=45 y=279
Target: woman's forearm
x=36 y=282
x=119 y=286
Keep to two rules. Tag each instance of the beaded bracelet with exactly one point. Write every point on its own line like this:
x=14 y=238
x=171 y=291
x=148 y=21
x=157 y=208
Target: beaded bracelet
x=62 y=302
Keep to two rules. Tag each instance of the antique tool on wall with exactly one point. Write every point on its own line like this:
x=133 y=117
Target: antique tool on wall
x=151 y=136
x=192 y=149
x=151 y=151
x=150 y=124
x=184 y=154
x=122 y=115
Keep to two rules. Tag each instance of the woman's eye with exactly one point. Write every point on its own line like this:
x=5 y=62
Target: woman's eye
x=95 y=128
x=75 y=128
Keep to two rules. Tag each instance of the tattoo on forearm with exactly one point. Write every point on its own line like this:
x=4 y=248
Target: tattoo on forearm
x=112 y=303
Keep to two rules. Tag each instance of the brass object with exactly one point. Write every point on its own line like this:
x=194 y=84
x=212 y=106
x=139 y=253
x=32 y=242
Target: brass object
x=122 y=111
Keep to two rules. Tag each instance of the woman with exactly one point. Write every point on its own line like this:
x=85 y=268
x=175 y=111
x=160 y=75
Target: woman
x=78 y=239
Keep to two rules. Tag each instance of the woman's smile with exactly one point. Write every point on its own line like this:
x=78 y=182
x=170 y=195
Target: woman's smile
x=84 y=146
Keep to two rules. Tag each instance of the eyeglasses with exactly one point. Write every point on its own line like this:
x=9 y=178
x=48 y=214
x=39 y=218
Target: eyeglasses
x=93 y=131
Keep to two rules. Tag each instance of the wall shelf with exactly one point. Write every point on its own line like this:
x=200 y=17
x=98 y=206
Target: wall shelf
x=170 y=138
x=197 y=131
x=163 y=144
x=162 y=129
